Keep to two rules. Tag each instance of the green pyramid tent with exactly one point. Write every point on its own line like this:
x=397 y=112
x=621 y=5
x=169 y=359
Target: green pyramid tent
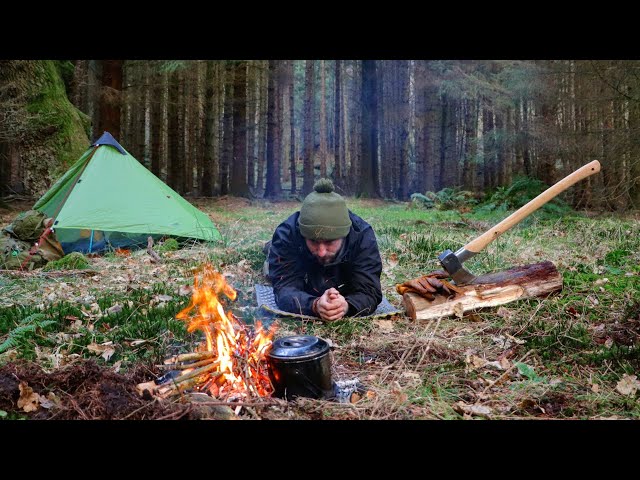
x=108 y=198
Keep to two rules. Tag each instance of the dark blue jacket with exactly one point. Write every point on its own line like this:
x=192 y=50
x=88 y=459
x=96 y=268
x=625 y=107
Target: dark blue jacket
x=298 y=279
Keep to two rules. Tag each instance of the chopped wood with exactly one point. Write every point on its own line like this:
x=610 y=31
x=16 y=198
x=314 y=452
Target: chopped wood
x=184 y=366
x=186 y=357
x=535 y=280
x=155 y=258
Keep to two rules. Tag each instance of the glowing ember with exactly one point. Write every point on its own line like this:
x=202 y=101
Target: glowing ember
x=233 y=356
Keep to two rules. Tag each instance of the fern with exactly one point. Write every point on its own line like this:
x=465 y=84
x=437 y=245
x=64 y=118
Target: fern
x=27 y=326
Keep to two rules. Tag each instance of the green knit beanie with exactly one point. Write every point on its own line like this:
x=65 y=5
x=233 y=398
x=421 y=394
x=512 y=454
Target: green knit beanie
x=324 y=214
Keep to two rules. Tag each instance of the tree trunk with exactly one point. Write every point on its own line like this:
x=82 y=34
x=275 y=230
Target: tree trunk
x=273 y=188
x=262 y=124
x=157 y=92
x=369 y=167
x=227 y=142
x=308 y=176
x=111 y=97
x=323 y=123
x=173 y=133
x=292 y=128
x=239 y=186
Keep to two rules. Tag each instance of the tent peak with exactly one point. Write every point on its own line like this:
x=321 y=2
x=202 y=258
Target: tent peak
x=107 y=139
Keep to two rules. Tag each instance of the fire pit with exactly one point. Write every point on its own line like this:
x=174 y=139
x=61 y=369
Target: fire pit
x=236 y=362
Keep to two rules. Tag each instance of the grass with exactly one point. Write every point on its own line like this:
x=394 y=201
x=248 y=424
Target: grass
x=562 y=356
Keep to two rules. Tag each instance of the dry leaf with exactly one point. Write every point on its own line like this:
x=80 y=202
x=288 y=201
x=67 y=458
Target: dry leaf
x=29 y=400
x=477 y=410
x=392 y=260
x=185 y=290
x=516 y=340
x=608 y=342
x=504 y=313
x=116 y=366
x=355 y=397
x=628 y=385
x=458 y=310
x=595 y=388
x=115 y=309
x=385 y=326
x=475 y=362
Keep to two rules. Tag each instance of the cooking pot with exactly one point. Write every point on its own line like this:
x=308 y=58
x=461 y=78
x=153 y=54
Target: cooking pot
x=300 y=366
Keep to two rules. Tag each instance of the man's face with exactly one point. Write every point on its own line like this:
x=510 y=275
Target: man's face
x=324 y=251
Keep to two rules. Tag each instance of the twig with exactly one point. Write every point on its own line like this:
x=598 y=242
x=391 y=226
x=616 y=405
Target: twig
x=142 y=407
x=51 y=274
x=433 y=334
x=499 y=379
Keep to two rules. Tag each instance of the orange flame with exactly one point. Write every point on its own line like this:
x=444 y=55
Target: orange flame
x=239 y=351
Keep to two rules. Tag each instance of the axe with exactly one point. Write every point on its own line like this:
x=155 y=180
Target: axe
x=452 y=262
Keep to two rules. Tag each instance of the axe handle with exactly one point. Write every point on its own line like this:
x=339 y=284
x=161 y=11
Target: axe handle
x=516 y=217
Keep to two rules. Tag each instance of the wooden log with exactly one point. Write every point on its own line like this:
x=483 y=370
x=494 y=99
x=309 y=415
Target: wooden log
x=535 y=280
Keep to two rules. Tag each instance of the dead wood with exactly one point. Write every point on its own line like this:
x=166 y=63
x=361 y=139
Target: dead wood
x=535 y=280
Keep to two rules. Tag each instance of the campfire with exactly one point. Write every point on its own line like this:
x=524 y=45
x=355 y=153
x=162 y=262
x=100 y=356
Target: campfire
x=230 y=364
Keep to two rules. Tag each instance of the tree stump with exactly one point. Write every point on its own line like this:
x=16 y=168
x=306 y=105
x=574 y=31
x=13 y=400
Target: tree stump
x=535 y=280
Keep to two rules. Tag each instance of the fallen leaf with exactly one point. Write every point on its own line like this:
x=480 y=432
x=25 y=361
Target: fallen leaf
x=505 y=313
x=114 y=309
x=163 y=298
x=595 y=388
x=516 y=340
x=601 y=281
x=475 y=361
x=392 y=260
x=608 y=342
x=477 y=410
x=385 y=326
x=458 y=310
x=355 y=397
x=594 y=301
x=29 y=400
x=116 y=366
x=628 y=385
x=185 y=290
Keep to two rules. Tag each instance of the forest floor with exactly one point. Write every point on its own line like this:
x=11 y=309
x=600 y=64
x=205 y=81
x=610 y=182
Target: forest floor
x=74 y=344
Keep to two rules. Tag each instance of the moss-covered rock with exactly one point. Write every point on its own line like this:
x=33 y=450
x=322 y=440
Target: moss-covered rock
x=169 y=245
x=73 y=261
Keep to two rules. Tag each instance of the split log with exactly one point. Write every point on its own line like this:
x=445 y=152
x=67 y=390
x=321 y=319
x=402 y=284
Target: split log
x=155 y=258
x=536 y=280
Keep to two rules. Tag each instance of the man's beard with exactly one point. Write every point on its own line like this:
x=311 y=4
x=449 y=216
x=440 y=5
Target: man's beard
x=326 y=260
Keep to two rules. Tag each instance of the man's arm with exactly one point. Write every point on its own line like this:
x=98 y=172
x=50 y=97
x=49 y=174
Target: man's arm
x=365 y=277
x=286 y=274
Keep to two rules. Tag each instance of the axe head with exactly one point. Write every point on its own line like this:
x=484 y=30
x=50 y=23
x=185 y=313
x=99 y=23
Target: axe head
x=452 y=264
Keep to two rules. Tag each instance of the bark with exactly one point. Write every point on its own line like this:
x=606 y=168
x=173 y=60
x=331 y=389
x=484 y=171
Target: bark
x=309 y=129
x=227 y=141
x=239 y=185
x=338 y=150
x=111 y=97
x=369 y=166
x=292 y=128
x=273 y=187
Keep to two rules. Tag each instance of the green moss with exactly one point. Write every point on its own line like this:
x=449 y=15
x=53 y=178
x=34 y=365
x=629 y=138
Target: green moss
x=59 y=130
x=169 y=245
x=73 y=261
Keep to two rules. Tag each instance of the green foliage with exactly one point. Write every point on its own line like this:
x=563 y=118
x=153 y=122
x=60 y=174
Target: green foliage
x=73 y=261
x=25 y=328
x=169 y=245
x=446 y=199
x=421 y=201
x=519 y=193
